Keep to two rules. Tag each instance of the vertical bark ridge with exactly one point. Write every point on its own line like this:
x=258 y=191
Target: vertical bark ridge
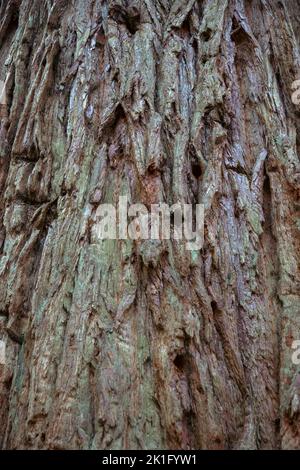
x=121 y=344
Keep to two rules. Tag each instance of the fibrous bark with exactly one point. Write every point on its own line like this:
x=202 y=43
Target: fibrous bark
x=120 y=344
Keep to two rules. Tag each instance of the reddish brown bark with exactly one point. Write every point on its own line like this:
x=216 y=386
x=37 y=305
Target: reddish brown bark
x=120 y=344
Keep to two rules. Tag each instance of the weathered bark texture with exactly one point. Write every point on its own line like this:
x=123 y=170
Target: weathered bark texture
x=123 y=344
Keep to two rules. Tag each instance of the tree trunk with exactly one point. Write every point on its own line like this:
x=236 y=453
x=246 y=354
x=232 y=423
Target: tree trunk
x=116 y=344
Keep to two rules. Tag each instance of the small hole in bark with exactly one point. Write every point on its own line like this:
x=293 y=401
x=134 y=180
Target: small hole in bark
x=206 y=35
x=130 y=17
x=180 y=362
x=196 y=170
x=215 y=308
x=147 y=361
x=237 y=211
x=238 y=34
x=132 y=23
x=185 y=27
x=195 y=45
x=152 y=170
x=267 y=203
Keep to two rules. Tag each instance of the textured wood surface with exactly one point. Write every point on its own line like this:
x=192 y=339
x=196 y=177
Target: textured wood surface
x=123 y=344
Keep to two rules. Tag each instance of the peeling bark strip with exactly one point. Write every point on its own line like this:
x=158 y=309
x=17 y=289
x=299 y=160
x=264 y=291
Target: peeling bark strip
x=141 y=344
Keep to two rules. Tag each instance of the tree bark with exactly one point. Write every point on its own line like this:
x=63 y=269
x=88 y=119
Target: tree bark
x=120 y=344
